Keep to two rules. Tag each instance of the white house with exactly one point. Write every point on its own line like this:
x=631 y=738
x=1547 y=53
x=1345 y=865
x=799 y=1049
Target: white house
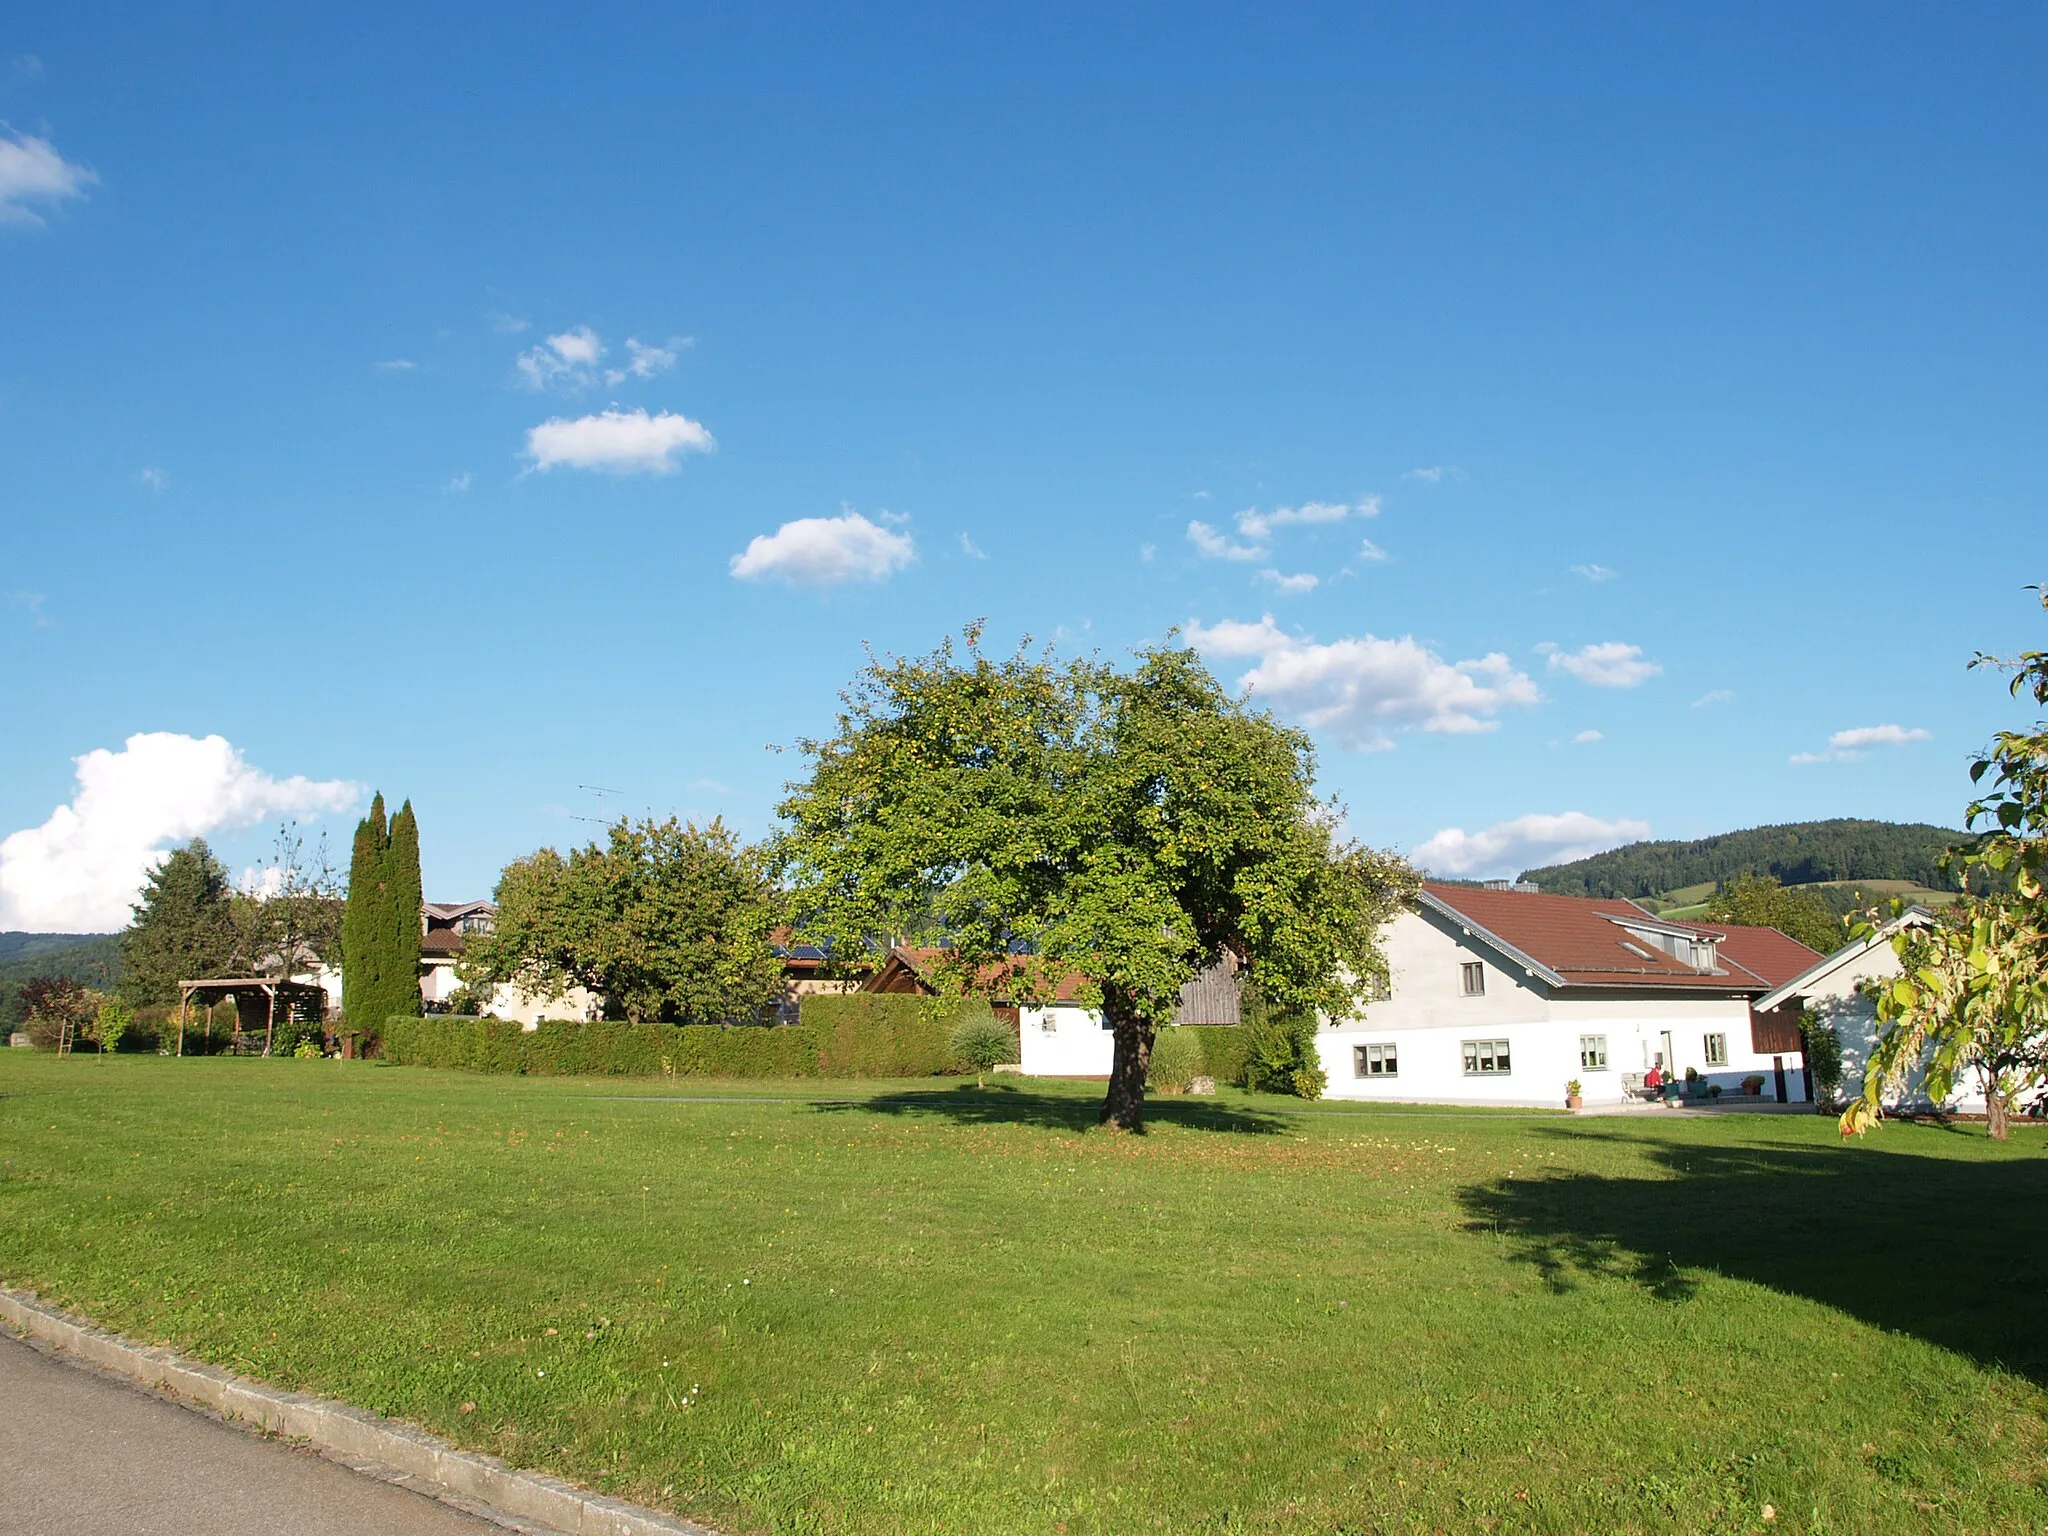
x=1833 y=987
x=1504 y=996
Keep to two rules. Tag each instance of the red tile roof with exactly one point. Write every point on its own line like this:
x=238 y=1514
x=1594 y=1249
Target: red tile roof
x=1578 y=939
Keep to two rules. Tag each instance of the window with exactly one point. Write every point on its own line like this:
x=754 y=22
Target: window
x=1486 y=1058
x=1474 y=978
x=1717 y=1050
x=1379 y=987
x=1592 y=1053
x=1375 y=1061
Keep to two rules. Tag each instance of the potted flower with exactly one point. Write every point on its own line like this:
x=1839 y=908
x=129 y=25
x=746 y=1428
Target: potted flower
x=1571 y=1095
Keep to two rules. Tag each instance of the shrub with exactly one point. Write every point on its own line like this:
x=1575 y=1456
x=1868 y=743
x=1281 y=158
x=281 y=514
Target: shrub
x=981 y=1040
x=112 y=1022
x=1223 y=1050
x=1176 y=1060
x=1822 y=1048
x=1280 y=1050
x=880 y=1034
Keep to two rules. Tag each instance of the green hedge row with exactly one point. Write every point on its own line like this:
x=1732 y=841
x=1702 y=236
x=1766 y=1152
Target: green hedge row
x=859 y=1035
x=1223 y=1051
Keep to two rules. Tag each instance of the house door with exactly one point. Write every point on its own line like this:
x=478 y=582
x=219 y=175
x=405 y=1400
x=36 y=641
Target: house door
x=1778 y=1071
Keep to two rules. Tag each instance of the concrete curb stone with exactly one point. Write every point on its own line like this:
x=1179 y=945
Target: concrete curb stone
x=379 y=1447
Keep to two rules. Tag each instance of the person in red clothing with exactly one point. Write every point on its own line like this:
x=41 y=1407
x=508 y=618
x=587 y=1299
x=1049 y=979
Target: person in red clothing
x=1653 y=1079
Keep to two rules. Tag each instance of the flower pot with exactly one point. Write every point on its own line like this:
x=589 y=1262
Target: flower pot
x=1573 y=1101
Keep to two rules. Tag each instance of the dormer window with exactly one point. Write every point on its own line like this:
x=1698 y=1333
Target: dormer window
x=1635 y=949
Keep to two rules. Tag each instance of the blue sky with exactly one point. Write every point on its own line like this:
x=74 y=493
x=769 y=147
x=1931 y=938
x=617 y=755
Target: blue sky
x=1679 y=379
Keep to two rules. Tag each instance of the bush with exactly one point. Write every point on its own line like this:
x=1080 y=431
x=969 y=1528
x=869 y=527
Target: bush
x=1280 y=1050
x=981 y=1040
x=1223 y=1050
x=881 y=1034
x=111 y=1024
x=1176 y=1060
x=1822 y=1049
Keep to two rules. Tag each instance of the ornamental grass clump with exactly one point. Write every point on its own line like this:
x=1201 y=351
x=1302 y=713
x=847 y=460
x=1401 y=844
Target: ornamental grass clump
x=982 y=1041
x=1176 y=1060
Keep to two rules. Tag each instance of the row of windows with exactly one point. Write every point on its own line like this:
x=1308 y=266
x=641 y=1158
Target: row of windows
x=1491 y=1058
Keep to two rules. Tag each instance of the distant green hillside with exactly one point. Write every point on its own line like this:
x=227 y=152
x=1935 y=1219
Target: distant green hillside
x=1797 y=853
x=93 y=958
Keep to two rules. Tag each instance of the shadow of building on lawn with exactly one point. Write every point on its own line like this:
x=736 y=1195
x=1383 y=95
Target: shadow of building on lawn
x=1951 y=1250
x=1003 y=1104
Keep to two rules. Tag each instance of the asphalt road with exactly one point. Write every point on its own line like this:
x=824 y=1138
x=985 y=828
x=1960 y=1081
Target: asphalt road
x=81 y=1455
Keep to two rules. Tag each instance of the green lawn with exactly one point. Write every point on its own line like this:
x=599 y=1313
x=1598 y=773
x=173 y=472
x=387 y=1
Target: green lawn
x=919 y=1307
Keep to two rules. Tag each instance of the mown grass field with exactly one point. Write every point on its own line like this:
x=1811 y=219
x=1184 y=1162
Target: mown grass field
x=924 y=1308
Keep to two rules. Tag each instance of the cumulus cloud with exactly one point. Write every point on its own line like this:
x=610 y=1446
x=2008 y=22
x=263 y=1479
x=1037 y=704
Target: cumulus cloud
x=457 y=484
x=1254 y=524
x=396 y=365
x=1608 y=664
x=565 y=361
x=1509 y=847
x=1712 y=697
x=970 y=549
x=1435 y=474
x=1595 y=573
x=80 y=870
x=30 y=606
x=826 y=551
x=1294 y=585
x=1367 y=550
x=620 y=442
x=644 y=361
x=1361 y=690
x=31 y=171
x=1212 y=545
x=1857 y=741
x=1587 y=738
x=153 y=479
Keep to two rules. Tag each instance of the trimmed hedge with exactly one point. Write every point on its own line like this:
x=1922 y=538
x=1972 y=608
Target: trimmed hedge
x=1223 y=1051
x=856 y=1035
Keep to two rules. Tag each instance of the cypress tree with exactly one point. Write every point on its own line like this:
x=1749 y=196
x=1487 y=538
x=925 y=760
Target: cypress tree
x=402 y=883
x=363 y=922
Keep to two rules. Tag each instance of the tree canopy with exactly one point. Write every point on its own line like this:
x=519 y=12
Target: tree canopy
x=1972 y=993
x=182 y=928
x=1760 y=901
x=669 y=921
x=1052 y=818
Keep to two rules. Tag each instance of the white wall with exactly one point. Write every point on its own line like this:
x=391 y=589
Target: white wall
x=1835 y=1000
x=1063 y=1041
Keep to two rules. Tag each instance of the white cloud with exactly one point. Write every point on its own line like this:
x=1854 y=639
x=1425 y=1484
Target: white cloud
x=1362 y=689
x=1608 y=664
x=565 y=361
x=1587 y=738
x=1509 y=847
x=1146 y=553
x=825 y=551
x=1254 y=524
x=509 y=325
x=31 y=605
x=1595 y=573
x=970 y=549
x=1212 y=545
x=80 y=870
x=645 y=361
x=1847 y=746
x=1294 y=585
x=457 y=484
x=153 y=479
x=397 y=365
x=622 y=442
x=31 y=171
x=1712 y=697
x=1435 y=474
x=1367 y=550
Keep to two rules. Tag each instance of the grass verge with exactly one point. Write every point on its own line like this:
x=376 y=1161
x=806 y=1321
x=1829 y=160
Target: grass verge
x=918 y=1307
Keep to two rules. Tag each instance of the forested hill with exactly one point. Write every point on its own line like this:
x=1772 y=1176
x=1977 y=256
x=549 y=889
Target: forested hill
x=1798 y=853
x=93 y=958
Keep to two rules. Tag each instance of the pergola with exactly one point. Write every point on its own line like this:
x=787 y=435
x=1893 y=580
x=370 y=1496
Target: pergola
x=272 y=989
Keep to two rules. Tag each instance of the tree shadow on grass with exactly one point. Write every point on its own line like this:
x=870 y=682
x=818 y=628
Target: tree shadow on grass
x=1950 y=1250
x=1002 y=1104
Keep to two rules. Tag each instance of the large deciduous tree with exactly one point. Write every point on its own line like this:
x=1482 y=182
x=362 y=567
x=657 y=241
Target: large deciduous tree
x=380 y=925
x=669 y=921
x=1972 y=994
x=1761 y=901
x=181 y=929
x=1052 y=817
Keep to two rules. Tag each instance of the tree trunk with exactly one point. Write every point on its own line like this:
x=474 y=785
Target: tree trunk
x=1124 y=1105
x=1996 y=1113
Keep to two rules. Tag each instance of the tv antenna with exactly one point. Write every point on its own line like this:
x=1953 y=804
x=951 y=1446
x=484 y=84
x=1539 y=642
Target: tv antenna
x=599 y=790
